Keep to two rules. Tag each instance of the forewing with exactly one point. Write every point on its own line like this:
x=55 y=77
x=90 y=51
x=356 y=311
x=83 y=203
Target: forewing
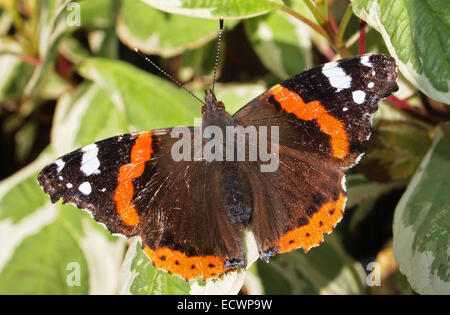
x=326 y=112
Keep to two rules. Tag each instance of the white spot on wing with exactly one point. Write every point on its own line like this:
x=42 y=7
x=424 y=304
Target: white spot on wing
x=61 y=178
x=365 y=61
x=90 y=162
x=330 y=65
x=337 y=76
x=69 y=185
x=345 y=109
x=85 y=188
x=371 y=85
x=374 y=73
x=359 y=96
x=60 y=165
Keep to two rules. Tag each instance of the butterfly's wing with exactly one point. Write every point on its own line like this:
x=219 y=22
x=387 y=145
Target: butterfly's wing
x=324 y=117
x=98 y=177
x=326 y=112
x=132 y=185
x=297 y=204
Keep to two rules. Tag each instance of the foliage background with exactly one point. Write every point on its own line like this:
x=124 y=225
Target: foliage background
x=63 y=86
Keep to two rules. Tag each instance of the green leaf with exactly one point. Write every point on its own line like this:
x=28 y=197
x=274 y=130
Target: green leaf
x=396 y=149
x=45 y=262
x=147 y=279
x=15 y=72
x=52 y=28
x=145 y=101
x=40 y=240
x=416 y=33
x=97 y=14
x=360 y=189
x=156 y=32
x=235 y=96
x=323 y=270
x=83 y=117
x=13 y=206
x=213 y=9
x=38 y=264
x=199 y=63
x=32 y=226
x=422 y=222
x=282 y=43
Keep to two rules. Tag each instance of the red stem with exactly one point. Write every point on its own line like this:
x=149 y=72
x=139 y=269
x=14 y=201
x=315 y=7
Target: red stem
x=333 y=23
x=404 y=106
x=362 y=37
x=64 y=66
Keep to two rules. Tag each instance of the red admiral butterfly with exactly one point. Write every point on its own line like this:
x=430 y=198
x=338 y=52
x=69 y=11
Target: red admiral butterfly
x=190 y=215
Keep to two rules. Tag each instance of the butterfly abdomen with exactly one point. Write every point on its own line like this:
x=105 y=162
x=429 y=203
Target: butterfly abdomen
x=238 y=202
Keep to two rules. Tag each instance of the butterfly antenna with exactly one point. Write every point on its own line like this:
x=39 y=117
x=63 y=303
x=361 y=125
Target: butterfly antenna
x=168 y=75
x=218 y=51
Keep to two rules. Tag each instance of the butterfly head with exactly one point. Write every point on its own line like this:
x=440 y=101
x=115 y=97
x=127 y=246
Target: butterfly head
x=214 y=111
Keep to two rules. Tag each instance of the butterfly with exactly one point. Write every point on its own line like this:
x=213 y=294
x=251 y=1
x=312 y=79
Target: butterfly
x=190 y=214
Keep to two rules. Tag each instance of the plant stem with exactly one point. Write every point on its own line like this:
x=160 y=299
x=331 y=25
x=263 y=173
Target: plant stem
x=305 y=20
x=362 y=37
x=343 y=25
x=324 y=28
x=25 y=58
x=319 y=17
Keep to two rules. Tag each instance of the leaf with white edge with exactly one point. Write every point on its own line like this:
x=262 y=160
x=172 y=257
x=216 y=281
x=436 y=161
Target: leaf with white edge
x=214 y=9
x=138 y=276
x=360 y=189
x=416 y=33
x=326 y=269
x=41 y=241
x=24 y=208
x=65 y=256
x=155 y=32
x=40 y=262
x=282 y=43
x=6 y=22
x=422 y=222
x=52 y=28
x=395 y=150
x=84 y=116
x=104 y=254
x=15 y=72
x=145 y=101
x=13 y=206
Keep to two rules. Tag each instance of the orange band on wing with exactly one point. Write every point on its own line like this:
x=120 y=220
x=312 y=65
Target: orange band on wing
x=311 y=234
x=140 y=153
x=175 y=262
x=291 y=102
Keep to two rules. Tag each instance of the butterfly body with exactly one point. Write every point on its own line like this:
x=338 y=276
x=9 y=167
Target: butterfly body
x=190 y=212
